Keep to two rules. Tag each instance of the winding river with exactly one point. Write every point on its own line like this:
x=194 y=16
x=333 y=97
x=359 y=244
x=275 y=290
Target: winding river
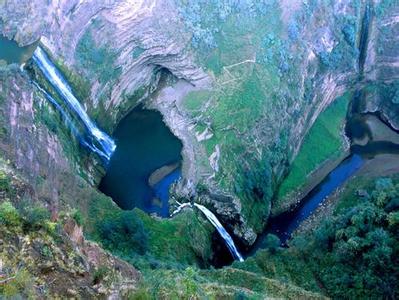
x=285 y=224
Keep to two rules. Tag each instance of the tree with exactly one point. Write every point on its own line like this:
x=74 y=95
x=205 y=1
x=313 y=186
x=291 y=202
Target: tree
x=271 y=243
x=124 y=232
x=9 y=215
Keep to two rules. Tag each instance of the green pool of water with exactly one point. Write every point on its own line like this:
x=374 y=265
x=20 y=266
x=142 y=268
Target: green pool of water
x=10 y=52
x=144 y=144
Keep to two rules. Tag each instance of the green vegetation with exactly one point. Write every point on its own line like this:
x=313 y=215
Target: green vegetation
x=35 y=216
x=77 y=216
x=248 y=48
x=194 y=100
x=29 y=216
x=352 y=254
x=5 y=182
x=227 y=283
x=250 y=90
x=99 y=274
x=285 y=265
x=80 y=86
x=324 y=141
x=9 y=216
x=20 y=287
x=49 y=117
x=355 y=252
x=271 y=243
x=123 y=233
x=98 y=60
x=146 y=241
x=184 y=239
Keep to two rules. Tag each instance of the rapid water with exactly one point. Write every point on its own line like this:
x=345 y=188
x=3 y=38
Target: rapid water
x=106 y=143
x=68 y=121
x=223 y=233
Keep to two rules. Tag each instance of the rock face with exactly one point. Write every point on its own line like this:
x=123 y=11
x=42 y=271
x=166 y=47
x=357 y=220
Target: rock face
x=63 y=266
x=382 y=64
x=245 y=82
x=51 y=257
x=37 y=143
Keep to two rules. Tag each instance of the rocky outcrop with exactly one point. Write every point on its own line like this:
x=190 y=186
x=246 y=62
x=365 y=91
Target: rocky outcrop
x=43 y=255
x=62 y=267
x=382 y=64
x=38 y=144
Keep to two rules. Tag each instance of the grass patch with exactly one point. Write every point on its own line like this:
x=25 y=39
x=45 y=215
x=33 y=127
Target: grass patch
x=195 y=99
x=323 y=141
x=182 y=239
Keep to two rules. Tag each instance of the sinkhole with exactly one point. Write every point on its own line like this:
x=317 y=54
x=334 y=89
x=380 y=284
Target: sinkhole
x=147 y=160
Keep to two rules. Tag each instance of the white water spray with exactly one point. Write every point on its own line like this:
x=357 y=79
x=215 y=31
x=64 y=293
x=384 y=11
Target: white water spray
x=219 y=227
x=60 y=84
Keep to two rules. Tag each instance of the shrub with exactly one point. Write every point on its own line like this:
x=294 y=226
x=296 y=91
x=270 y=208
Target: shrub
x=355 y=252
x=5 y=182
x=77 y=216
x=9 y=215
x=123 y=232
x=100 y=274
x=19 y=287
x=271 y=243
x=35 y=216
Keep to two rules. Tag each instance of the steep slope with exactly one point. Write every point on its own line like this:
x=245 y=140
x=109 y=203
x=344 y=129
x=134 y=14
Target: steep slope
x=235 y=94
x=43 y=256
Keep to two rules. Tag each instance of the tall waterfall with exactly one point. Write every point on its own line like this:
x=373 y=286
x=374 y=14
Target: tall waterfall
x=82 y=140
x=219 y=227
x=50 y=71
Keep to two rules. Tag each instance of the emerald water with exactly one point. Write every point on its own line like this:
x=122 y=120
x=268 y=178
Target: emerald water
x=12 y=53
x=144 y=145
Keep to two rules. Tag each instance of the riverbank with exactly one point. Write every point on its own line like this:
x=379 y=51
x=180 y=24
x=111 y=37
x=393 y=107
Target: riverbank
x=380 y=166
x=324 y=147
x=376 y=165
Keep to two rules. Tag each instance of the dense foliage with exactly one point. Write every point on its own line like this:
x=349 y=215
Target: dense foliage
x=352 y=254
x=356 y=252
x=124 y=232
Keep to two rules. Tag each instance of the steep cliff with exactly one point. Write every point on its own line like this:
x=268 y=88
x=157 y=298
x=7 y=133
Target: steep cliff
x=235 y=94
x=247 y=86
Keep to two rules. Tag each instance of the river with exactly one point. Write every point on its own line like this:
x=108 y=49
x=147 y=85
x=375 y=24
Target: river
x=368 y=145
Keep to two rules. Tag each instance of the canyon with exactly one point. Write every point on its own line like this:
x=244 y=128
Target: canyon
x=256 y=98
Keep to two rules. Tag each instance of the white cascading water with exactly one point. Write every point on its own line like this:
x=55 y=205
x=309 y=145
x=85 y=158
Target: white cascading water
x=219 y=227
x=69 y=122
x=60 y=84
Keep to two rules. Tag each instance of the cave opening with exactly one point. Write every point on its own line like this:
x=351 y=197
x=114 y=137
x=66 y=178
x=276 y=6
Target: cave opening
x=147 y=160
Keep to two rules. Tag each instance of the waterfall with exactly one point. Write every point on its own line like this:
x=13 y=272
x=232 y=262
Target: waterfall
x=69 y=122
x=180 y=208
x=49 y=70
x=219 y=227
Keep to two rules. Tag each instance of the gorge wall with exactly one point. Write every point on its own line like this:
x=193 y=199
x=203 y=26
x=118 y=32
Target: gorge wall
x=245 y=81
